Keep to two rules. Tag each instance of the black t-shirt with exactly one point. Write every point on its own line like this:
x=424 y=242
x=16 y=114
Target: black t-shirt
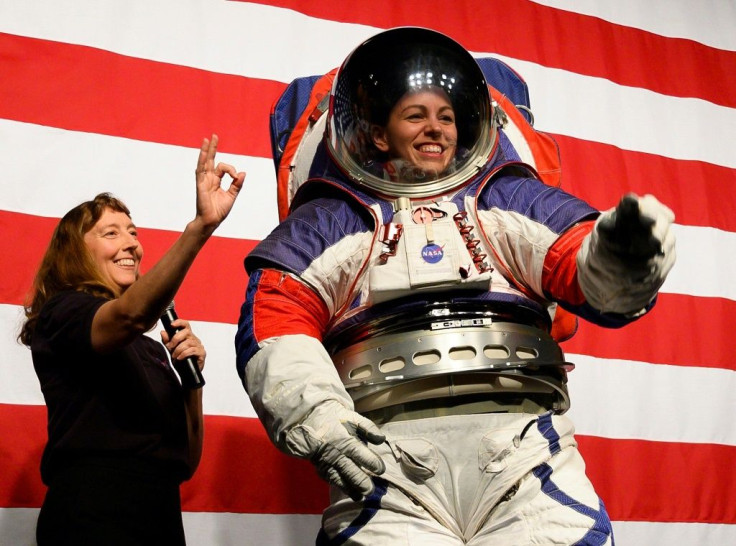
x=127 y=403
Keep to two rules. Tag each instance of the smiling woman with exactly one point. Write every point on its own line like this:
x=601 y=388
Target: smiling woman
x=397 y=327
x=420 y=132
x=113 y=243
x=410 y=115
x=123 y=432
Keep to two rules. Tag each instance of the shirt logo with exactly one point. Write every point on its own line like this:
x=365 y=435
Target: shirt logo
x=432 y=253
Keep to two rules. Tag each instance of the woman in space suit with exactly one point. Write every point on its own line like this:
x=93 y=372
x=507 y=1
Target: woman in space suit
x=396 y=328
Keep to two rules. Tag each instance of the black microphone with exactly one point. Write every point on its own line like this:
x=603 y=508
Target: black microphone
x=189 y=372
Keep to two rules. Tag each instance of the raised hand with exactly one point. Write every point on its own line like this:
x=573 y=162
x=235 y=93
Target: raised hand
x=637 y=228
x=626 y=259
x=213 y=202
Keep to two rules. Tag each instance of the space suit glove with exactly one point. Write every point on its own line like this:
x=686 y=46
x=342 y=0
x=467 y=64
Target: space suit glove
x=626 y=258
x=307 y=412
x=334 y=439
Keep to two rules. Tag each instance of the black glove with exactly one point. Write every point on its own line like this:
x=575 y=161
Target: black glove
x=624 y=261
x=628 y=233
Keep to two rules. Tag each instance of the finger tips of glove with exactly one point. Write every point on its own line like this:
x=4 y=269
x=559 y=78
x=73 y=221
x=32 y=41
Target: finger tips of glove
x=362 y=489
x=363 y=456
x=629 y=204
x=352 y=479
x=331 y=476
x=654 y=208
x=606 y=222
x=379 y=468
x=371 y=433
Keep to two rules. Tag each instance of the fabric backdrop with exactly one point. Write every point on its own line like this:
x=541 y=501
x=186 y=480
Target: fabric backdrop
x=103 y=95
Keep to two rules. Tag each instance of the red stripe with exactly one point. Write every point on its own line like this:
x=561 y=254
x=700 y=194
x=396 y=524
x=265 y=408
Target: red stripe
x=242 y=472
x=559 y=276
x=694 y=190
x=555 y=38
x=215 y=287
x=86 y=89
x=662 y=481
x=680 y=330
x=89 y=90
x=22 y=439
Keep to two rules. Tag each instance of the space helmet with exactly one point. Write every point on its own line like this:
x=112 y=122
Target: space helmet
x=380 y=74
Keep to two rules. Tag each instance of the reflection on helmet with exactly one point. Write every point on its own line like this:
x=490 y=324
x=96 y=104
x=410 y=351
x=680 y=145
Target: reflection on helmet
x=379 y=73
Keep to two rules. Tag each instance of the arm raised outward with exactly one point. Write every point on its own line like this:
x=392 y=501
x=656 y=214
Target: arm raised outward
x=137 y=310
x=626 y=258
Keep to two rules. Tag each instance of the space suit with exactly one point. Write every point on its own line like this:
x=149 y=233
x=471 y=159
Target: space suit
x=397 y=324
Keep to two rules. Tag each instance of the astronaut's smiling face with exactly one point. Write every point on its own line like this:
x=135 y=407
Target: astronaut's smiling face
x=420 y=130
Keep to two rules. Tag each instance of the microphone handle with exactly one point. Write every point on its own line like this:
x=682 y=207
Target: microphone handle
x=189 y=373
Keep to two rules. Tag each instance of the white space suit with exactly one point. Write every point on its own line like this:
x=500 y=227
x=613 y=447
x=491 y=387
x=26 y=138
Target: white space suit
x=396 y=328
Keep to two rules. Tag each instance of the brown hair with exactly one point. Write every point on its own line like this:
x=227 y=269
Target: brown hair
x=67 y=264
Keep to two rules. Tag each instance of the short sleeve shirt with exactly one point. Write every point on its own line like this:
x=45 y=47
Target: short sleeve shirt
x=126 y=403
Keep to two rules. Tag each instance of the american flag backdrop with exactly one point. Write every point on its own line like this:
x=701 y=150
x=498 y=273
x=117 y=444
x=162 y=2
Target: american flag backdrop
x=104 y=95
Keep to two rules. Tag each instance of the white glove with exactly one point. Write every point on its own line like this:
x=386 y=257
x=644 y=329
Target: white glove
x=297 y=393
x=625 y=259
x=332 y=438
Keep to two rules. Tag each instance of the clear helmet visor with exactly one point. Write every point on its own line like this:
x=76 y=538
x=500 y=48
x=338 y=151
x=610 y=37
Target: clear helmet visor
x=410 y=114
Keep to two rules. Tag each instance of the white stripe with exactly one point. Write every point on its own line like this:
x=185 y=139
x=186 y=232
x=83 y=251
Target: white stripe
x=704 y=266
x=18 y=383
x=636 y=400
x=223 y=393
x=18 y=528
x=223 y=529
x=709 y=22
x=597 y=109
x=217 y=35
x=630 y=118
x=609 y=397
x=193 y=35
x=48 y=171
x=639 y=533
x=156 y=182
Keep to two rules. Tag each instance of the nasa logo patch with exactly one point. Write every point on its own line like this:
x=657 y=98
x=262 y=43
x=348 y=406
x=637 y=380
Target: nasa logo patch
x=432 y=253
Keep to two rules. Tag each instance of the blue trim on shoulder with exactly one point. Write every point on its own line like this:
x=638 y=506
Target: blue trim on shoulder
x=307 y=232
x=324 y=170
x=311 y=189
x=547 y=205
x=504 y=155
